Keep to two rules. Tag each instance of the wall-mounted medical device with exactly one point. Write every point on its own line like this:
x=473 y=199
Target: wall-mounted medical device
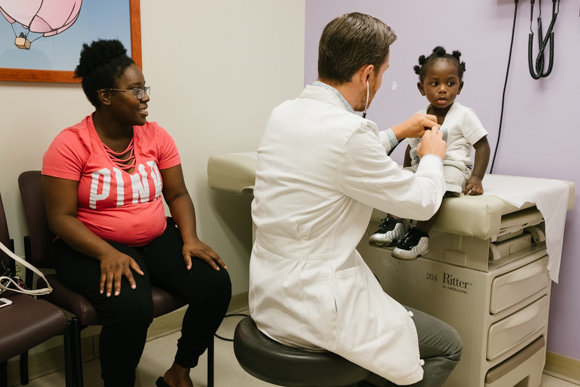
x=539 y=68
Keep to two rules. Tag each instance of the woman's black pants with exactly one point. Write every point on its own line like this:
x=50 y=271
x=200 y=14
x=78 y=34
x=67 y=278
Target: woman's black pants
x=127 y=316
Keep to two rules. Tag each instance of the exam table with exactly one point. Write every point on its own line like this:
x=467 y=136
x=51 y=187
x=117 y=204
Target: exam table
x=488 y=273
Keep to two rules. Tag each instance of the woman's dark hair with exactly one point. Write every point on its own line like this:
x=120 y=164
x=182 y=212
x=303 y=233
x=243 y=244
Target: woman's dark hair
x=350 y=42
x=438 y=53
x=101 y=64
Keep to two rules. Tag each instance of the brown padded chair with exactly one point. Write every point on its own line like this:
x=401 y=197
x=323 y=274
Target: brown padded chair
x=27 y=322
x=37 y=250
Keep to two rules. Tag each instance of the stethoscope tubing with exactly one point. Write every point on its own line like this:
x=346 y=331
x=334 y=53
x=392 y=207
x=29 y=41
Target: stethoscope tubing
x=537 y=72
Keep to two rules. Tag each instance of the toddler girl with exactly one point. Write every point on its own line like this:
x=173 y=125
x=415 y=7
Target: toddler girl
x=441 y=81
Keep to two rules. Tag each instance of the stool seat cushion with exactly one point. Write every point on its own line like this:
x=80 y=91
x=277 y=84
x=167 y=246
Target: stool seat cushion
x=275 y=363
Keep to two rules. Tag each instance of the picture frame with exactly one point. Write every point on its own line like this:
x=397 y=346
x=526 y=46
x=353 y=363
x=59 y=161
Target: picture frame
x=29 y=75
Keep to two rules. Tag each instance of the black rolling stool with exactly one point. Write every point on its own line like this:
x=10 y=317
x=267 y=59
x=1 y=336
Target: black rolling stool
x=278 y=364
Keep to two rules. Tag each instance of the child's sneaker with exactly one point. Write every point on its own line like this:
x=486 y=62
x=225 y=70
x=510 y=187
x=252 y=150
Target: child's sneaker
x=415 y=243
x=389 y=232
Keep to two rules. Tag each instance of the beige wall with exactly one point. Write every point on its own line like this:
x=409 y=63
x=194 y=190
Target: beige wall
x=217 y=68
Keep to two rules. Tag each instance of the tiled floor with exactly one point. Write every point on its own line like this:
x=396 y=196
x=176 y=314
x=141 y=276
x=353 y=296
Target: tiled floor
x=159 y=354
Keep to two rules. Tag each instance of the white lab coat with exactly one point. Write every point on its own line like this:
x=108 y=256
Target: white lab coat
x=320 y=172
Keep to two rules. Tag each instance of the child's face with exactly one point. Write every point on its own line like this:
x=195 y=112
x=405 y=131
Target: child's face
x=441 y=84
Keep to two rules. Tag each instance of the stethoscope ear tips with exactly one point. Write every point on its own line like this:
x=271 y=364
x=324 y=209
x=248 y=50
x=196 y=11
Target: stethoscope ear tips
x=364 y=115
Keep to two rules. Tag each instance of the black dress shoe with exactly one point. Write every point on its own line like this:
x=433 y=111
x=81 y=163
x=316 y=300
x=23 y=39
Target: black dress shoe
x=161 y=382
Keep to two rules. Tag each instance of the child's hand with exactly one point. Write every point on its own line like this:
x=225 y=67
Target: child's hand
x=473 y=186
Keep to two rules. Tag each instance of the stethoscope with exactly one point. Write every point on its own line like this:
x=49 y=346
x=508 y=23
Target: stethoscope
x=364 y=115
x=538 y=71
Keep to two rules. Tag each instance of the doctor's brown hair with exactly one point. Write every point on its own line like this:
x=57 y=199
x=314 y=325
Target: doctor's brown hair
x=350 y=42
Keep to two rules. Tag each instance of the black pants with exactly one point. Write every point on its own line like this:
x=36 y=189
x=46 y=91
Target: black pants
x=127 y=316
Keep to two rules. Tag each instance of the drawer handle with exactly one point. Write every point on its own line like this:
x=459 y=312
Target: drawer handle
x=522 y=273
x=524 y=316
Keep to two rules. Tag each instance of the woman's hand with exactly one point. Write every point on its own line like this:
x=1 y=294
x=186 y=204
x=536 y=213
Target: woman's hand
x=113 y=268
x=202 y=251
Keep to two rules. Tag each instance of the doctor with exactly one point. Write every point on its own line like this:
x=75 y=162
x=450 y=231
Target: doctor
x=321 y=171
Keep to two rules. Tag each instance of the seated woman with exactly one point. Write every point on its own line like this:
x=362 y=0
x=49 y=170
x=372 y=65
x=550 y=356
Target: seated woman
x=102 y=181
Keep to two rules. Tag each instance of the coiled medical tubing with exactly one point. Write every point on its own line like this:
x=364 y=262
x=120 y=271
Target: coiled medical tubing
x=538 y=71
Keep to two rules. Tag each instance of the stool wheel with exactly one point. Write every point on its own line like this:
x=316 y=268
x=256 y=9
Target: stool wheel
x=278 y=364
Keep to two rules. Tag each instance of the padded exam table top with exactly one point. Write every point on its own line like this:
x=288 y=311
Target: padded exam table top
x=478 y=216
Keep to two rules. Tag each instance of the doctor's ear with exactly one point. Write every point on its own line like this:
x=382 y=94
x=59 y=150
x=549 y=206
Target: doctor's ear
x=365 y=73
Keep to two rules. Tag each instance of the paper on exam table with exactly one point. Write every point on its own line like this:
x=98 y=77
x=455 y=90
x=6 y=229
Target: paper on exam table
x=549 y=196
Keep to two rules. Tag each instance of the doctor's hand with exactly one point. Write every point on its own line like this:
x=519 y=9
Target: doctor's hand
x=415 y=126
x=432 y=143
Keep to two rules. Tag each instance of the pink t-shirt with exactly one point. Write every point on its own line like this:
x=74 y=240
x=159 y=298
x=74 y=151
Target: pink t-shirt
x=113 y=204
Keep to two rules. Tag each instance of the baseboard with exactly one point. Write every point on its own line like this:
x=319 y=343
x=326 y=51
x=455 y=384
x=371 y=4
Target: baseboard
x=46 y=359
x=562 y=367
x=238 y=302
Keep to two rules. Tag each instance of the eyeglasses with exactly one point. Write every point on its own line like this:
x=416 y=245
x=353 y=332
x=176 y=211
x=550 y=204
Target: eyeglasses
x=139 y=92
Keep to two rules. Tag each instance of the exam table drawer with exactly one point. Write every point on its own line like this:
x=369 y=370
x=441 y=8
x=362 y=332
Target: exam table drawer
x=516 y=328
x=510 y=288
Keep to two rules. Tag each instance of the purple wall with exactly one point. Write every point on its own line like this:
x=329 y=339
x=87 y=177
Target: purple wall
x=540 y=135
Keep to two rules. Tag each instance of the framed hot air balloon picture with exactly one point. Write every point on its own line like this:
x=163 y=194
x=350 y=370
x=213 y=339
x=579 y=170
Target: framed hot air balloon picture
x=41 y=40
